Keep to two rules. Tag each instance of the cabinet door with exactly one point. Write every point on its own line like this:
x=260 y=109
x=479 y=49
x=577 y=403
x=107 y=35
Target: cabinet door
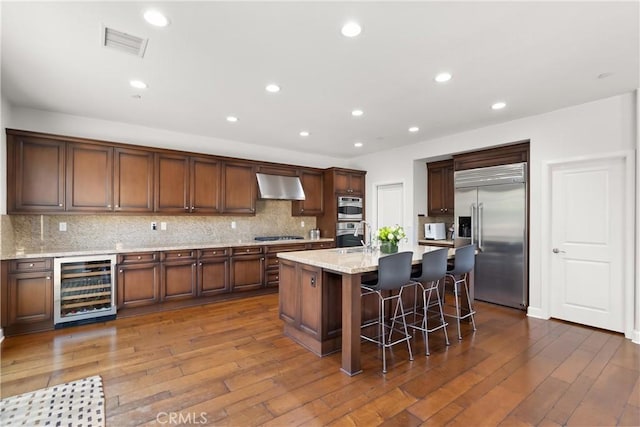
x=178 y=280
x=239 y=188
x=133 y=180
x=448 y=189
x=310 y=299
x=288 y=296
x=138 y=284
x=205 y=185
x=213 y=276
x=36 y=174
x=357 y=184
x=172 y=183
x=342 y=182
x=313 y=204
x=89 y=177
x=440 y=188
x=247 y=273
x=30 y=300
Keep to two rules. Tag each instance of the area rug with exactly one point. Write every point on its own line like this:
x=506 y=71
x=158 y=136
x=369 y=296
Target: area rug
x=78 y=403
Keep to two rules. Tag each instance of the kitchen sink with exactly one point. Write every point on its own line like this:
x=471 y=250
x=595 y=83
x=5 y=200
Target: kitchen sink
x=355 y=249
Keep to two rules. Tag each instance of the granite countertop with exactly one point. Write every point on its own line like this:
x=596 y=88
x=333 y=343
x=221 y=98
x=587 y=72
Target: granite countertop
x=352 y=260
x=49 y=252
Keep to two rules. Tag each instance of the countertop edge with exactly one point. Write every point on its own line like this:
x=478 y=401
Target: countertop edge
x=57 y=253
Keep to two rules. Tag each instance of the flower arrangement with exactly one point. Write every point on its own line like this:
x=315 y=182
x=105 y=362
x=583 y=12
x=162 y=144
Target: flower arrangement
x=389 y=234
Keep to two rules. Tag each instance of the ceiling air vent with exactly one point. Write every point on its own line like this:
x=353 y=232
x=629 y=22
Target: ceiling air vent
x=123 y=42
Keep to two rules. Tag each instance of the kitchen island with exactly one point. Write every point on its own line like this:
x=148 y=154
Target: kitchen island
x=320 y=298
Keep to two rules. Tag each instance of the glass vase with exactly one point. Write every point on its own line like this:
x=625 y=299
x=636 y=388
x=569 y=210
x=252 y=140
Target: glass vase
x=388 y=247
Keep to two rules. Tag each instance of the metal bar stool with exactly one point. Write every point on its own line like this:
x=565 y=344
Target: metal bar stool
x=463 y=263
x=394 y=273
x=434 y=268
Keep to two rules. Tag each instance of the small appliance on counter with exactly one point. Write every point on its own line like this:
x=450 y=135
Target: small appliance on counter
x=314 y=234
x=435 y=231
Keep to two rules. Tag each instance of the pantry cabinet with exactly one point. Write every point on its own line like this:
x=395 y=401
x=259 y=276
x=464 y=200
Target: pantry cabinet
x=440 y=188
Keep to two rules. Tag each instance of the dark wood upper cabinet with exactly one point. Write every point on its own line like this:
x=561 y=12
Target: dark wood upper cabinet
x=172 y=183
x=440 y=188
x=36 y=174
x=205 y=175
x=313 y=204
x=89 y=177
x=347 y=182
x=239 y=188
x=133 y=180
x=514 y=153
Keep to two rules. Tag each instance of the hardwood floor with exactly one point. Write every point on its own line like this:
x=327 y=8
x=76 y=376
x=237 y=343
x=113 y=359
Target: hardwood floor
x=229 y=364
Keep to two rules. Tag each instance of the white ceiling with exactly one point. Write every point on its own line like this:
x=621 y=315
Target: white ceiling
x=215 y=58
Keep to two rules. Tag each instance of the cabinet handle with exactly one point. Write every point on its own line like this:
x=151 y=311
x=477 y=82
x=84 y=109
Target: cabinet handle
x=108 y=206
x=277 y=277
x=186 y=208
x=277 y=261
x=200 y=264
x=313 y=282
x=31 y=265
x=139 y=257
x=193 y=208
x=247 y=250
x=60 y=204
x=120 y=271
x=214 y=252
x=117 y=206
x=48 y=277
x=179 y=255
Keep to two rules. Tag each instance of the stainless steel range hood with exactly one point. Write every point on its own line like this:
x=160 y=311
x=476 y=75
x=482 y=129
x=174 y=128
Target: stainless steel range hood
x=279 y=187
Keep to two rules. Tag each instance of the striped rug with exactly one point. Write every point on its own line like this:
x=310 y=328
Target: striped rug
x=78 y=403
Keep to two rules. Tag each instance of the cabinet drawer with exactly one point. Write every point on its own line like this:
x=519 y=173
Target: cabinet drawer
x=285 y=248
x=213 y=253
x=320 y=245
x=34 y=264
x=273 y=277
x=178 y=255
x=273 y=261
x=138 y=257
x=246 y=250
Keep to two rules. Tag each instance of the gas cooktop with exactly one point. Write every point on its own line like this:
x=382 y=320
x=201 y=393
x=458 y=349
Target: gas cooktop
x=272 y=238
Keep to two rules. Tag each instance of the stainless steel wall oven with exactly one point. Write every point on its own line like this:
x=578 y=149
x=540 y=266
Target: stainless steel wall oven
x=349 y=234
x=350 y=209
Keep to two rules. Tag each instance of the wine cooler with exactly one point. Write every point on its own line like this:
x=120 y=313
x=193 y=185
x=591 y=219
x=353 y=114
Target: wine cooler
x=84 y=289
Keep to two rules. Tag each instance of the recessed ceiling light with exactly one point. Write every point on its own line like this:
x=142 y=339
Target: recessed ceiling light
x=304 y=133
x=156 y=18
x=351 y=29
x=498 y=105
x=443 y=77
x=604 y=75
x=414 y=129
x=273 y=88
x=357 y=144
x=357 y=113
x=138 y=84
x=232 y=119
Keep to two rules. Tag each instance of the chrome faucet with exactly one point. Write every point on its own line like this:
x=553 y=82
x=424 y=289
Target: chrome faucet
x=366 y=232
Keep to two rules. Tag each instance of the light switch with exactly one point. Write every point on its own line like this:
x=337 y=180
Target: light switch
x=163 y=226
x=62 y=226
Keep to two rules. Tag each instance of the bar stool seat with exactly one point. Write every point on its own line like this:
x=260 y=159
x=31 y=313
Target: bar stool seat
x=463 y=264
x=434 y=268
x=394 y=273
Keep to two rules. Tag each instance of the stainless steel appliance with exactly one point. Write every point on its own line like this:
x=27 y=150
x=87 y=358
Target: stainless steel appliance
x=491 y=212
x=435 y=231
x=349 y=234
x=84 y=289
x=350 y=209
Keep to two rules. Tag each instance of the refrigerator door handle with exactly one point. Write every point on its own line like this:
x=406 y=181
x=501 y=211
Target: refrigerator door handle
x=480 y=209
x=473 y=221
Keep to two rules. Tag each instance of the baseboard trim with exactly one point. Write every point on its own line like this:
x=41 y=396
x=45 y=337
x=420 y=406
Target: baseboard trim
x=537 y=313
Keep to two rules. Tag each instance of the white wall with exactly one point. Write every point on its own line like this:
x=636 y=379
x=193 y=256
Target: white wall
x=607 y=125
x=85 y=127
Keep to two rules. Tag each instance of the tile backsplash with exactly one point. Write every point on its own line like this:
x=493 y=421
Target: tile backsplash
x=29 y=232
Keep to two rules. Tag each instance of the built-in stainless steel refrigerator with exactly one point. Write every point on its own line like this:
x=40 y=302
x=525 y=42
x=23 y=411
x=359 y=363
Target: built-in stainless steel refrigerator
x=491 y=212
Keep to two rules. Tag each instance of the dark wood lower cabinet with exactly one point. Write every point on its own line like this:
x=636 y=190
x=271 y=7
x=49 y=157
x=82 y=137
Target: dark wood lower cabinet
x=213 y=272
x=26 y=295
x=247 y=272
x=138 y=284
x=178 y=275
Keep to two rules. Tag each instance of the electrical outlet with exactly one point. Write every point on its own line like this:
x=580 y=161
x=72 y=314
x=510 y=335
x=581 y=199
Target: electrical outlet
x=302 y=224
x=233 y=225
x=163 y=226
x=62 y=226
x=154 y=226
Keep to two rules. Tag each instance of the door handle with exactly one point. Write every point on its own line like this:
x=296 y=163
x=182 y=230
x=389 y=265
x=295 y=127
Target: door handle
x=558 y=251
x=480 y=209
x=473 y=220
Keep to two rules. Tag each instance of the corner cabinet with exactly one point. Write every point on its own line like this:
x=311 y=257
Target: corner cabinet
x=440 y=188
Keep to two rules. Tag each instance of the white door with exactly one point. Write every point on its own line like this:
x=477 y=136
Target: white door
x=587 y=223
x=389 y=210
